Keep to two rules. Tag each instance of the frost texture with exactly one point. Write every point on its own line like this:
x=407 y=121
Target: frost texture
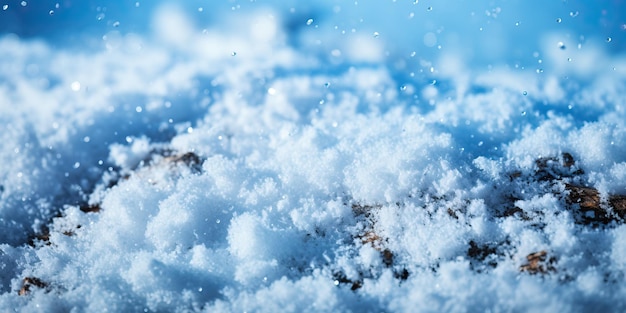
x=266 y=163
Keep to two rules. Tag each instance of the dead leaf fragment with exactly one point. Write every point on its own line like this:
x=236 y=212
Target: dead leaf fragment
x=590 y=203
x=91 y=208
x=538 y=262
x=31 y=282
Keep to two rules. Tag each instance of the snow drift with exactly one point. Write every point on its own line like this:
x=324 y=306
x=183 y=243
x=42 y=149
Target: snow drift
x=287 y=157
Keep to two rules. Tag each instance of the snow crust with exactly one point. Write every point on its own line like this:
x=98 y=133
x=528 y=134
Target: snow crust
x=287 y=158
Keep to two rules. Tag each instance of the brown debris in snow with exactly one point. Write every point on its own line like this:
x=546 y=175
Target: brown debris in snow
x=31 y=282
x=539 y=263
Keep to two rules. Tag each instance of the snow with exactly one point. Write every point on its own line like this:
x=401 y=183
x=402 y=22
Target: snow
x=281 y=156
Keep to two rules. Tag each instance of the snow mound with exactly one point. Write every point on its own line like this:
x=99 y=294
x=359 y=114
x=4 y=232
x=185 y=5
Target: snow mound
x=271 y=162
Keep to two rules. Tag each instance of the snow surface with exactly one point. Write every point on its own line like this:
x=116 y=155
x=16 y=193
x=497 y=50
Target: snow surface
x=286 y=156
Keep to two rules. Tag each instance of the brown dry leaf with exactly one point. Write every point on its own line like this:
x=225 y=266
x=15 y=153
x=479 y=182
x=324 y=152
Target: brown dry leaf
x=589 y=201
x=91 y=208
x=538 y=262
x=373 y=239
x=369 y=236
x=587 y=198
x=28 y=283
x=618 y=203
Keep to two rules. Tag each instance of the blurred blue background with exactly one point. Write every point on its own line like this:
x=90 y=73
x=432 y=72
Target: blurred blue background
x=484 y=32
